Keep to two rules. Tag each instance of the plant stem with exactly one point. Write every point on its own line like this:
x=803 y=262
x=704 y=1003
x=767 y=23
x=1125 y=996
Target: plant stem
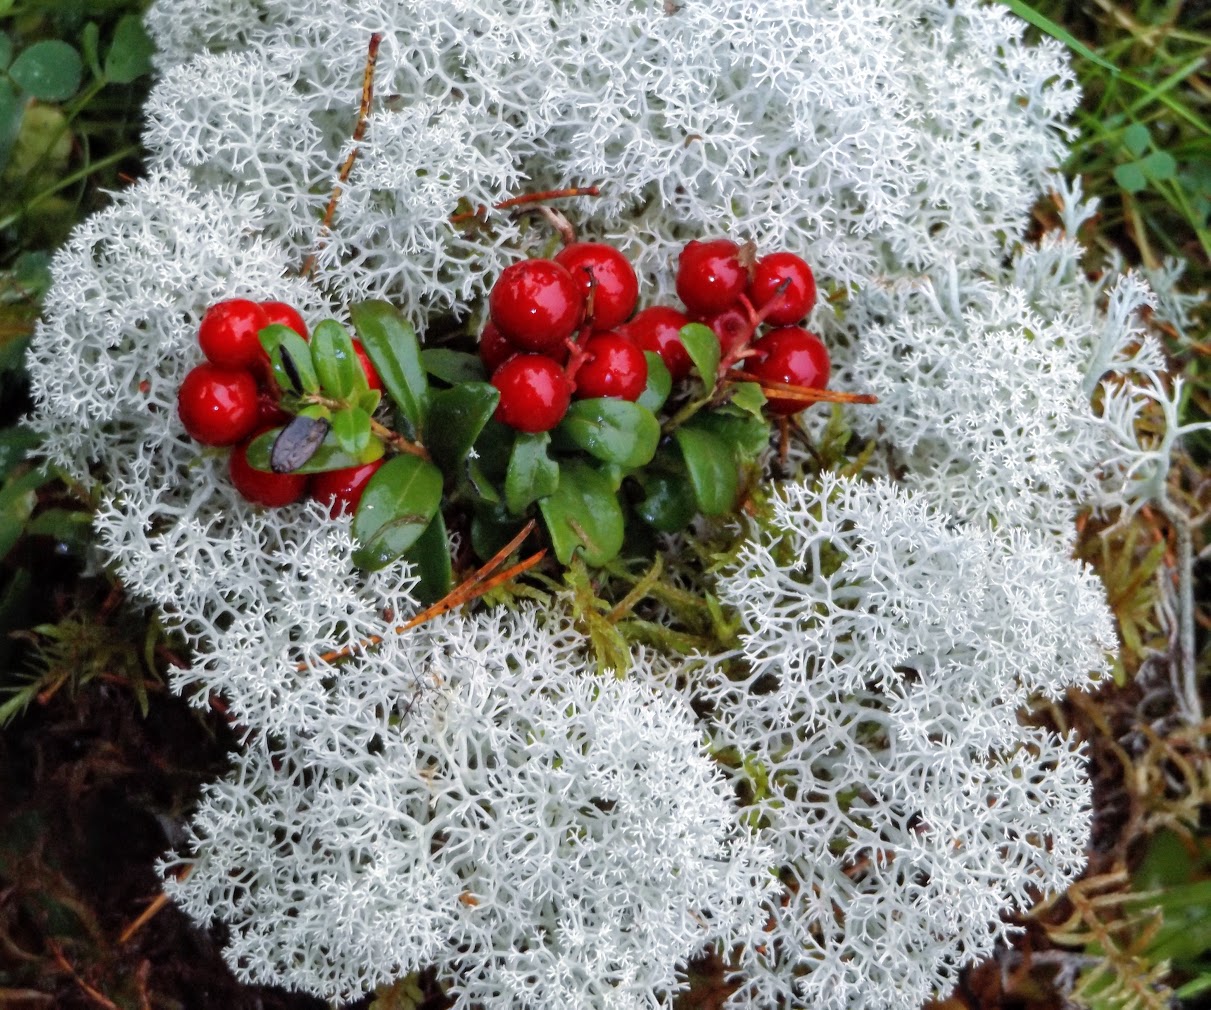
x=66 y=181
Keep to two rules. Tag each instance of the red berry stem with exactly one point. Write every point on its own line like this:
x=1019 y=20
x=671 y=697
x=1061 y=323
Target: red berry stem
x=359 y=131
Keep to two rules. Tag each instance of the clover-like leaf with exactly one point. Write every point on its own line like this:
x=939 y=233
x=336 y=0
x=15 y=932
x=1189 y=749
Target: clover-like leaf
x=712 y=469
x=615 y=431
x=391 y=343
x=457 y=416
x=1136 y=139
x=49 y=71
x=702 y=345
x=335 y=361
x=1159 y=166
x=583 y=515
x=532 y=474
x=130 y=53
x=1130 y=177
x=398 y=503
x=659 y=384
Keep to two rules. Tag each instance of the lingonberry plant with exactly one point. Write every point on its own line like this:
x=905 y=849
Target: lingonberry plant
x=838 y=791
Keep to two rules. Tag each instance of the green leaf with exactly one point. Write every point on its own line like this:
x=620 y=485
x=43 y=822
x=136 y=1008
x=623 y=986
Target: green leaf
x=391 y=343
x=50 y=70
x=6 y=50
x=291 y=359
x=431 y=556
x=329 y=456
x=70 y=528
x=583 y=515
x=18 y=498
x=90 y=39
x=532 y=473
x=456 y=418
x=481 y=484
x=130 y=52
x=1195 y=987
x=1136 y=139
x=669 y=503
x=1159 y=166
x=398 y=503
x=659 y=384
x=492 y=526
x=747 y=435
x=748 y=397
x=335 y=361
x=15 y=444
x=452 y=366
x=351 y=429
x=1028 y=13
x=1130 y=177
x=712 y=469
x=615 y=431
x=703 y=348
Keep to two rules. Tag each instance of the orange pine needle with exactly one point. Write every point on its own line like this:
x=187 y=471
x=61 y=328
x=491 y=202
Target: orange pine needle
x=806 y=394
x=150 y=912
x=525 y=198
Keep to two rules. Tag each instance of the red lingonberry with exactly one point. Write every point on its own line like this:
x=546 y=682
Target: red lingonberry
x=260 y=486
x=269 y=413
x=537 y=304
x=218 y=406
x=710 y=276
x=614 y=366
x=732 y=326
x=494 y=347
x=658 y=329
x=791 y=355
x=228 y=333
x=341 y=490
x=372 y=379
x=534 y=393
x=287 y=315
x=603 y=270
x=792 y=304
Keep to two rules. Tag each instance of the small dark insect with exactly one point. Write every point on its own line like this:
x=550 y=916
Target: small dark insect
x=297 y=443
x=291 y=370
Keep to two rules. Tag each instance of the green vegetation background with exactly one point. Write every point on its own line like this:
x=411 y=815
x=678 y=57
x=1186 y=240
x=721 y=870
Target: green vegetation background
x=99 y=764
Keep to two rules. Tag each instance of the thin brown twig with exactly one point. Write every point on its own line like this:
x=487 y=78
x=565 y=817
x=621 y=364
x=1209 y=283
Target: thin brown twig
x=97 y=997
x=359 y=131
x=150 y=912
x=524 y=198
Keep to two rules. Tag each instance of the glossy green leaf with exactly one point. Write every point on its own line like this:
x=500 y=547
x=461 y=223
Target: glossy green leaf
x=493 y=447
x=49 y=70
x=335 y=361
x=431 y=557
x=370 y=399
x=492 y=527
x=291 y=359
x=351 y=429
x=659 y=384
x=130 y=53
x=615 y=431
x=746 y=435
x=532 y=474
x=452 y=366
x=748 y=397
x=329 y=455
x=398 y=503
x=669 y=503
x=703 y=348
x=583 y=515
x=391 y=343
x=712 y=469
x=456 y=418
x=481 y=484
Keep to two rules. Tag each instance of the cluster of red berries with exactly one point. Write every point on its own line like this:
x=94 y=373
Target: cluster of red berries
x=537 y=306
x=232 y=397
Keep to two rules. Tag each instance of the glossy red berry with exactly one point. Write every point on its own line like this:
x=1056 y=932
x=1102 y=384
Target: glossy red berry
x=534 y=393
x=341 y=490
x=228 y=333
x=795 y=302
x=609 y=275
x=218 y=406
x=372 y=379
x=792 y=355
x=287 y=315
x=537 y=304
x=710 y=276
x=658 y=329
x=732 y=326
x=262 y=487
x=494 y=347
x=615 y=367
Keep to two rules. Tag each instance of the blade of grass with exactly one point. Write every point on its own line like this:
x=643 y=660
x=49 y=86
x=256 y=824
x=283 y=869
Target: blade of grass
x=1043 y=24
